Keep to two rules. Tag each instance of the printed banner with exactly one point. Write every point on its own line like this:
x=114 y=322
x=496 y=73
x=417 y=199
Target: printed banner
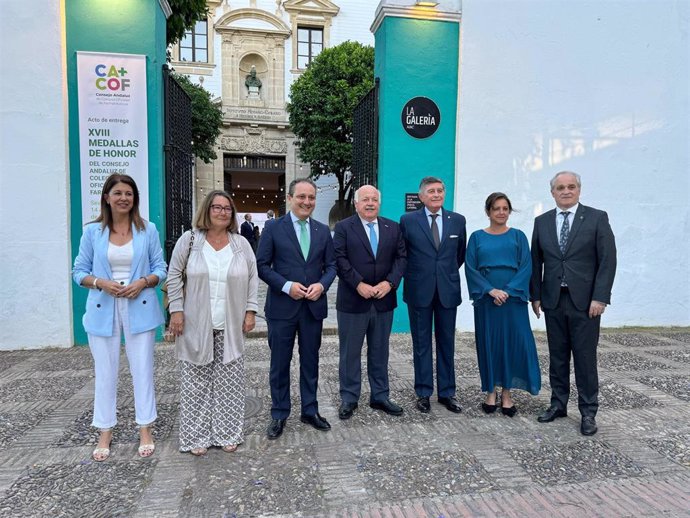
x=113 y=130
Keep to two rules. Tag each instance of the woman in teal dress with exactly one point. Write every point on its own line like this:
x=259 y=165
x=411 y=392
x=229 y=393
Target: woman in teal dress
x=498 y=268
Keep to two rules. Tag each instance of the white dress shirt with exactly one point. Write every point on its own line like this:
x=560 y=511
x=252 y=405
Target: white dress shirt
x=439 y=221
x=559 y=218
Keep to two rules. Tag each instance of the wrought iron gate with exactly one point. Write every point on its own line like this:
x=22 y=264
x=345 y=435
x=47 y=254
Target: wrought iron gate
x=178 y=161
x=365 y=144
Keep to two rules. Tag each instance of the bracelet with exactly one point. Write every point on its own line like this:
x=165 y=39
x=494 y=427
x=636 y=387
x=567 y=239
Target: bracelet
x=95 y=283
x=146 y=281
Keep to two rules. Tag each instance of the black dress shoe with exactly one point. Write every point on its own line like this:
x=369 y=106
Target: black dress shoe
x=551 y=414
x=451 y=403
x=588 y=425
x=387 y=406
x=489 y=409
x=275 y=429
x=423 y=405
x=509 y=411
x=346 y=410
x=316 y=421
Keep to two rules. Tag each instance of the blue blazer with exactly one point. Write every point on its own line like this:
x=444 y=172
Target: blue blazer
x=356 y=263
x=144 y=311
x=428 y=270
x=279 y=260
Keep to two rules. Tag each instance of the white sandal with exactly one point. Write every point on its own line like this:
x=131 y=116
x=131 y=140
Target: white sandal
x=146 y=450
x=100 y=454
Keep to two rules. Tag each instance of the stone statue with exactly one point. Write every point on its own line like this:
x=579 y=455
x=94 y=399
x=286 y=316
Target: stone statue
x=253 y=83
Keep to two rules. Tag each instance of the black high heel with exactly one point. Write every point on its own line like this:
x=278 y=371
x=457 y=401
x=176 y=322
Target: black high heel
x=510 y=412
x=489 y=409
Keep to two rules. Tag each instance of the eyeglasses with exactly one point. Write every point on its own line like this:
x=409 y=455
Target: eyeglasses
x=219 y=208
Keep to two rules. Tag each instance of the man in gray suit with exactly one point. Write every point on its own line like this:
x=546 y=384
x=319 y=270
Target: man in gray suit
x=573 y=266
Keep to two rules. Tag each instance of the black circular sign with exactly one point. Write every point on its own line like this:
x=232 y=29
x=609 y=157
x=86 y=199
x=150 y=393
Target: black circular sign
x=420 y=117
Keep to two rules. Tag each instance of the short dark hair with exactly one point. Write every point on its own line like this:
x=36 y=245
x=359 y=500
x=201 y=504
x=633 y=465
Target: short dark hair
x=105 y=218
x=493 y=198
x=202 y=219
x=429 y=180
x=293 y=183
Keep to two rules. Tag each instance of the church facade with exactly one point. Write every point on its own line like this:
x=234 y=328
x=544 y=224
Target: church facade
x=247 y=54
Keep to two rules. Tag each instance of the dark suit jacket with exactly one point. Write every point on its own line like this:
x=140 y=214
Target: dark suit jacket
x=247 y=231
x=589 y=262
x=356 y=263
x=429 y=270
x=279 y=259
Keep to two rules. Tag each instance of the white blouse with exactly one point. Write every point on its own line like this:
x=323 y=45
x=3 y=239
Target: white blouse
x=217 y=262
x=120 y=259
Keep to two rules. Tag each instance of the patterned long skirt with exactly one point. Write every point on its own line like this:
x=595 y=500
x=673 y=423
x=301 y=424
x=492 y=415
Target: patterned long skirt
x=212 y=401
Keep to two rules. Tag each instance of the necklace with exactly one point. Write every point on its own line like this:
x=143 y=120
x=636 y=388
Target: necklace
x=123 y=233
x=217 y=240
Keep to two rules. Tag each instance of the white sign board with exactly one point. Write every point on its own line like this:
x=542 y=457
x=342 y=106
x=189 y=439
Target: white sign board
x=113 y=129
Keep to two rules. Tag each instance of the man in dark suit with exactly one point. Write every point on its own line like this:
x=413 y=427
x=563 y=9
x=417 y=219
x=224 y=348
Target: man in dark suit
x=370 y=254
x=573 y=266
x=435 y=239
x=247 y=230
x=296 y=259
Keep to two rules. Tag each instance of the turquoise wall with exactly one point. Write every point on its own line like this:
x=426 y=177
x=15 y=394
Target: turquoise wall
x=415 y=58
x=126 y=27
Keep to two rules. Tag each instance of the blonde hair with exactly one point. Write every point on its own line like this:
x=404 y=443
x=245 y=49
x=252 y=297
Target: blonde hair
x=202 y=218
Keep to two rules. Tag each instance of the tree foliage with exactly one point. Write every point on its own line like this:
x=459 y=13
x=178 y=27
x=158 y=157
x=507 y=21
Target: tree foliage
x=321 y=106
x=207 y=118
x=185 y=13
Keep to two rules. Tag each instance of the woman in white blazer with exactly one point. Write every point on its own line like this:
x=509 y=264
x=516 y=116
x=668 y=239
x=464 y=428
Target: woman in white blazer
x=212 y=287
x=121 y=262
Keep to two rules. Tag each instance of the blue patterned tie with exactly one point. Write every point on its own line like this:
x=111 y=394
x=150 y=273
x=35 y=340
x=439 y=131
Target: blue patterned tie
x=372 y=238
x=565 y=231
x=303 y=238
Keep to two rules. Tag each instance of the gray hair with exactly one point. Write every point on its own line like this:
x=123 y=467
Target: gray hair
x=578 y=180
x=293 y=183
x=362 y=187
x=427 y=180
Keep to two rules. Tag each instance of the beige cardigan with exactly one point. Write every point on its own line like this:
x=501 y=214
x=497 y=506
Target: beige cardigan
x=195 y=345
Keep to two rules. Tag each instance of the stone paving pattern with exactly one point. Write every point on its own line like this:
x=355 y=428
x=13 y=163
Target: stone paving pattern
x=436 y=464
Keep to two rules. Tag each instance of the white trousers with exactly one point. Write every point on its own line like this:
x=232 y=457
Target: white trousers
x=106 y=357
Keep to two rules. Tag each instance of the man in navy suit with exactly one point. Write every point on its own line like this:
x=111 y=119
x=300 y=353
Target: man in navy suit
x=435 y=240
x=370 y=255
x=247 y=231
x=296 y=259
x=573 y=266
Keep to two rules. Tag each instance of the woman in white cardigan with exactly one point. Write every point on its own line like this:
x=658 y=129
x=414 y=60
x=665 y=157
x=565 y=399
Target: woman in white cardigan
x=212 y=289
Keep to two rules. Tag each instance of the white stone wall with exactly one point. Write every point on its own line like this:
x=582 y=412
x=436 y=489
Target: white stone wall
x=600 y=88
x=35 y=304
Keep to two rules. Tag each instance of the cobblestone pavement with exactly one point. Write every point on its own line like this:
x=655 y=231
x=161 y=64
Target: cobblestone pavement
x=416 y=465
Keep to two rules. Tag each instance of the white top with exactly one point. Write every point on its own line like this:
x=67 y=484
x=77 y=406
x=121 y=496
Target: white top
x=120 y=259
x=217 y=262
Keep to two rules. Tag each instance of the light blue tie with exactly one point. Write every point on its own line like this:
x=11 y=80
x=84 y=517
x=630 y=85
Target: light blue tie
x=303 y=238
x=372 y=238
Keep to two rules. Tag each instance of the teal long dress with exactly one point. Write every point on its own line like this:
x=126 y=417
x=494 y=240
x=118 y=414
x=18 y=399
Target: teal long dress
x=506 y=352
